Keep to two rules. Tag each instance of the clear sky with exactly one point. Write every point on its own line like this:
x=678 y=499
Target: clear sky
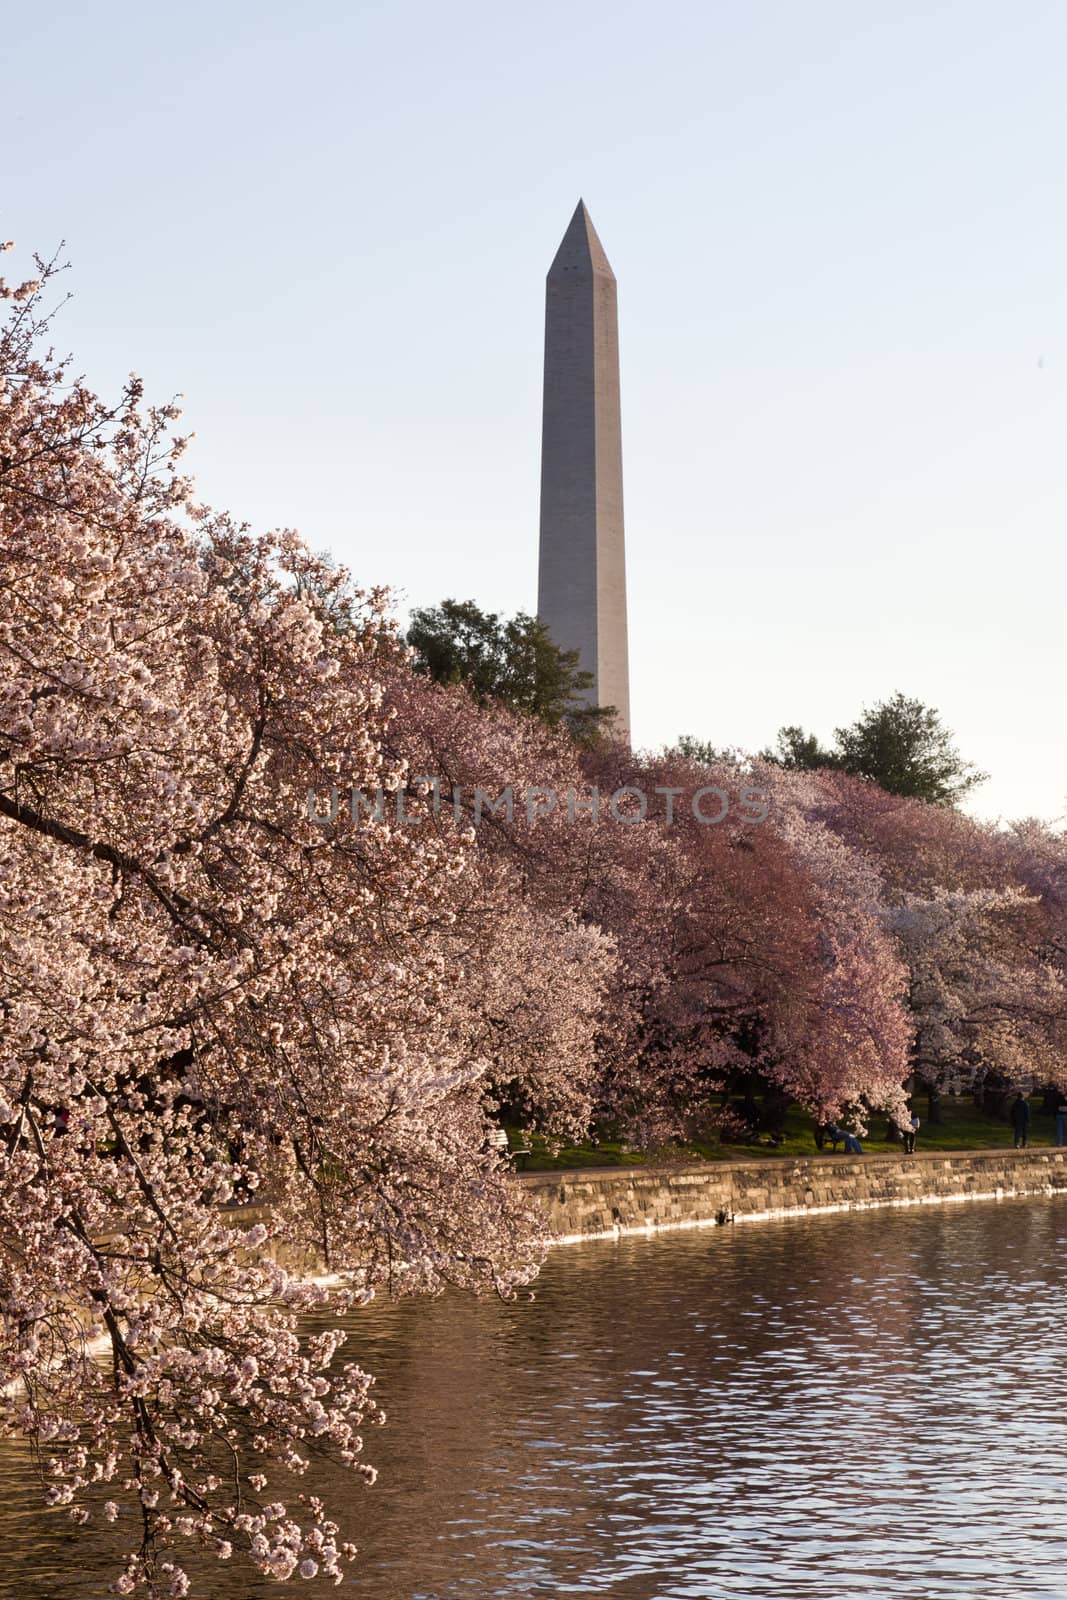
x=840 y=233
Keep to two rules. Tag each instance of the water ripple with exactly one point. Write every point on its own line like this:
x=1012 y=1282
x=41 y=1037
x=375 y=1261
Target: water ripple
x=839 y=1406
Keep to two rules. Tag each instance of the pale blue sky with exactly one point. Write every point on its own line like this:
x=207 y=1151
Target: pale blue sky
x=840 y=234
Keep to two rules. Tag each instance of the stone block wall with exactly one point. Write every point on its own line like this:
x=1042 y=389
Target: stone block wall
x=608 y=1202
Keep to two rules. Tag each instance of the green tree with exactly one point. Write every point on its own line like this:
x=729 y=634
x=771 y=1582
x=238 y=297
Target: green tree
x=903 y=745
x=800 y=751
x=693 y=749
x=899 y=743
x=706 y=754
x=513 y=661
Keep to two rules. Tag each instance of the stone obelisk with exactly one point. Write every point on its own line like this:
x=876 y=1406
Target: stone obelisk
x=581 y=592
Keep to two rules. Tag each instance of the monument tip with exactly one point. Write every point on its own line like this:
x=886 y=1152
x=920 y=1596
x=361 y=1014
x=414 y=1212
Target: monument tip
x=580 y=248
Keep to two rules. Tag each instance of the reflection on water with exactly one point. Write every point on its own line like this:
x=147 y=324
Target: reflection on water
x=871 y=1404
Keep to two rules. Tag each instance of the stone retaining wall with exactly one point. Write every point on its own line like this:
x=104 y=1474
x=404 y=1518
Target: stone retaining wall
x=604 y=1203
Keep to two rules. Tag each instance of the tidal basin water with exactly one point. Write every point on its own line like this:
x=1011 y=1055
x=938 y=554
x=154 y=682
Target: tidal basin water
x=853 y=1405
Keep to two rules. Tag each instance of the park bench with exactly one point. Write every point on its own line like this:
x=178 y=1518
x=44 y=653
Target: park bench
x=498 y=1140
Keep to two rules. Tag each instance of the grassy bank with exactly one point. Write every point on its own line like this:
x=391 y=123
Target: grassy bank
x=964 y=1126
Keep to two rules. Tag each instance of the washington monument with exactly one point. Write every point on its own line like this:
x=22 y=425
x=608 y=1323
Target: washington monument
x=581 y=591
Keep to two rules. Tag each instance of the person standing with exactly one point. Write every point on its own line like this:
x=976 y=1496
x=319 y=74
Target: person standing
x=1020 y=1120
x=909 y=1130
x=1061 y=1117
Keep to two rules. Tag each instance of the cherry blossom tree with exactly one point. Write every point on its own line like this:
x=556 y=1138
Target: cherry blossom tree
x=736 y=952
x=539 y=971
x=757 y=954
x=977 y=916
x=208 y=996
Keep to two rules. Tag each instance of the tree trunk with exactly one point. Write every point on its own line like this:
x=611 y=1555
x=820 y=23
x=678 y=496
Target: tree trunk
x=997 y=1103
x=775 y=1106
